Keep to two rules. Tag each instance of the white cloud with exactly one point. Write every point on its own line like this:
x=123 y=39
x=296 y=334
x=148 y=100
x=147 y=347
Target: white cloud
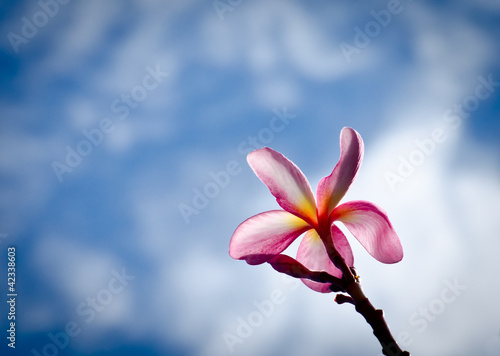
x=74 y=269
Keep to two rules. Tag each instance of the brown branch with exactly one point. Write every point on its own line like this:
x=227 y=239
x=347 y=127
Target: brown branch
x=290 y=266
x=342 y=298
x=374 y=317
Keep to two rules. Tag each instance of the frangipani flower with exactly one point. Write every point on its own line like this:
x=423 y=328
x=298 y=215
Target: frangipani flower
x=264 y=236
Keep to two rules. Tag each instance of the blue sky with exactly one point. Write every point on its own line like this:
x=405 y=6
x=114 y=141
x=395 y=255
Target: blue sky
x=158 y=97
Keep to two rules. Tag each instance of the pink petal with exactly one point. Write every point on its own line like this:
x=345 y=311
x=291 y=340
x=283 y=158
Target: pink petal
x=265 y=235
x=371 y=226
x=288 y=265
x=332 y=189
x=285 y=181
x=342 y=245
x=312 y=254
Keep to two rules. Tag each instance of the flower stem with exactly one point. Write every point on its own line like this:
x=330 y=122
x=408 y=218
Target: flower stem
x=374 y=317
